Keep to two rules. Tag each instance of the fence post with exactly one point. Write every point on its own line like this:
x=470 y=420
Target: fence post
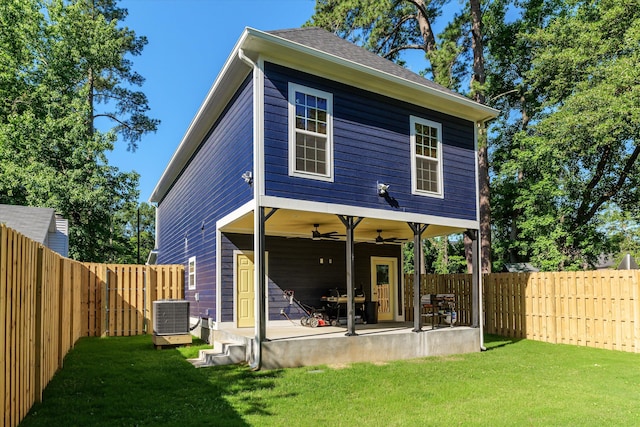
x=635 y=283
x=3 y=314
x=38 y=327
x=105 y=303
x=152 y=278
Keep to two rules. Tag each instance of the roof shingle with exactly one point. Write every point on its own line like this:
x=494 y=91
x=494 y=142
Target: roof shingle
x=324 y=41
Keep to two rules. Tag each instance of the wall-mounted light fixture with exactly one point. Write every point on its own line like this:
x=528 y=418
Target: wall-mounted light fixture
x=248 y=177
x=383 y=189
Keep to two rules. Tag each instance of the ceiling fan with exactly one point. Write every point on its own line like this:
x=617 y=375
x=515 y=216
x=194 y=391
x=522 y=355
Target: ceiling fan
x=332 y=235
x=381 y=241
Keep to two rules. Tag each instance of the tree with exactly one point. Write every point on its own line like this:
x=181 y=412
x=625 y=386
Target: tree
x=509 y=55
x=92 y=52
x=582 y=146
x=391 y=27
x=133 y=231
x=70 y=59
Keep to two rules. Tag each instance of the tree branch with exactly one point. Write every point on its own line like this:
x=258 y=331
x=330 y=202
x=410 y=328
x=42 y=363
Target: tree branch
x=615 y=188
x=114 y=118
x=395 y=29
x=425 y=25
x=404 y=47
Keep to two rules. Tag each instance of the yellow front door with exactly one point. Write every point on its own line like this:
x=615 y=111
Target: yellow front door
x=245 y=272
x=383 y=285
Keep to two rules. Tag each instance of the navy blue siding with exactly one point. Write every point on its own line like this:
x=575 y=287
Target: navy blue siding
x=209 y=188
x=371 y=143
x=293 y=264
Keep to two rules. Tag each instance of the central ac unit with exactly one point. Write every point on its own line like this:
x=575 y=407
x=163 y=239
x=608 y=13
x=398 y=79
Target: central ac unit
x=170 y=317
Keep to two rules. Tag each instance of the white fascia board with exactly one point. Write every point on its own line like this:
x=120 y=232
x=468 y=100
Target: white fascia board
x=356 y=211
x=235 y=215
x=481 y=113
x=271 y=47
x=214 y=103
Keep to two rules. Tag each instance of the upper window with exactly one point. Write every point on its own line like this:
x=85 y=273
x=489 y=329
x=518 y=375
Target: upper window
x=426 y=151
x=192 y=273
x=310 y=133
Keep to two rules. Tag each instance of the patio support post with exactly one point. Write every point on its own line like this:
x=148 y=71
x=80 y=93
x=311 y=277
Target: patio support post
x=417 y=229
x=475 y=278
x=350 y=224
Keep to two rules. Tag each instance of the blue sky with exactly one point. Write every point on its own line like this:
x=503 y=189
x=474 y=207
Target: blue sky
x=189 y=41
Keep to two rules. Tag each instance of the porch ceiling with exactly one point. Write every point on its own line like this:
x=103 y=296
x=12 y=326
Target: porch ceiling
x=295 y=223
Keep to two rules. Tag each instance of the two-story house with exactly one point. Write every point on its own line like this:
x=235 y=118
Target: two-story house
x=308 y=165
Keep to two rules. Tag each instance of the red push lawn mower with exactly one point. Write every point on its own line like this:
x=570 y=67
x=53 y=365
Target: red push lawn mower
x=313 y=317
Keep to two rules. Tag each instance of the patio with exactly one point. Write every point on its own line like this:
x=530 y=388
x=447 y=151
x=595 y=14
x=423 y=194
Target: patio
x=290 y=345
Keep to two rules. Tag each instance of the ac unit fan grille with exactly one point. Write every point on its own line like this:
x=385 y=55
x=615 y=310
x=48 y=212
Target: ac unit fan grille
x=170 y=317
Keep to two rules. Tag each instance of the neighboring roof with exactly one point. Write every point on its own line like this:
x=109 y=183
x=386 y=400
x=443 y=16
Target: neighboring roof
x=316 y=51
x=627 y=263
x=520 y=267
x=35 y=223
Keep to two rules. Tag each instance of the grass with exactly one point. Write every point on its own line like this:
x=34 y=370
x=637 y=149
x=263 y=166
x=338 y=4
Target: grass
x=126 y=382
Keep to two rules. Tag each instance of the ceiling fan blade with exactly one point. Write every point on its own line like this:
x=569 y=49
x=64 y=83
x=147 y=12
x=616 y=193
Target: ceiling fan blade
x=317 y=235
x=394 y=239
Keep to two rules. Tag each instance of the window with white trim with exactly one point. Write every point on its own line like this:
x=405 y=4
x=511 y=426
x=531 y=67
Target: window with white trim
x=191 y=269
x=310 y=133
x=426 y=153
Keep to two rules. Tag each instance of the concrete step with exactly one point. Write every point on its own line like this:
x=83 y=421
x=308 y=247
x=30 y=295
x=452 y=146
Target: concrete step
x=223 y=353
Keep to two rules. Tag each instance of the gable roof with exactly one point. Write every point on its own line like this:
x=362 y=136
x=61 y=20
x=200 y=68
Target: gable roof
x=324 y=41
x=319 y=52
x=35 y=223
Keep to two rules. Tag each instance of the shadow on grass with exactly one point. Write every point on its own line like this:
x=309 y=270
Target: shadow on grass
x=126 y=381
x=492 y=342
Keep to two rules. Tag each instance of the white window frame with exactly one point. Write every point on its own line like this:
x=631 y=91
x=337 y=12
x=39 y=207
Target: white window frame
x=414 y=157
x=293 y=131
x=191 y=282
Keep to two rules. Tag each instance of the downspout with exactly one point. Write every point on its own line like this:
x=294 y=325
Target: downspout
x=255 y=358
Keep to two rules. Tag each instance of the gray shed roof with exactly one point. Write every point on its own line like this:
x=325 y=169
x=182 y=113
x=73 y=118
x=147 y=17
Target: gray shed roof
x=324 y=41
x=35 y=223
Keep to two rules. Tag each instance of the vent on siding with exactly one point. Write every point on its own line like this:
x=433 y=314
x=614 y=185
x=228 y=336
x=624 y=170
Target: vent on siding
x=170 y=317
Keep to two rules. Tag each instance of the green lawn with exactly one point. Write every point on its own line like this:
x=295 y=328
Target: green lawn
x=126 y=382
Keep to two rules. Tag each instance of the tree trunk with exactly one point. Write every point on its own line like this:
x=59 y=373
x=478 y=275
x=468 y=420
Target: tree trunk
x=478 y=82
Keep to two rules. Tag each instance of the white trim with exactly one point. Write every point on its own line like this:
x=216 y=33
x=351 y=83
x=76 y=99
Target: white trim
x=258 y=127
x=192 y=284
x=212 y=106
x=413 y=120
x=261 y=36
x=338 y=209
x=277 y=50
x=235 y=214
x=218 y=313
x=237 y=252
x=293 y=131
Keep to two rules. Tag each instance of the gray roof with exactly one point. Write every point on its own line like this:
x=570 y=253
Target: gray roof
x=35 y=223
x=324 y=41
x=520 y=267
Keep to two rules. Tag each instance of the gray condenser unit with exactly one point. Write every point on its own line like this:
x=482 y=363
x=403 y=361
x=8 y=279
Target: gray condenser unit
x=170 y=317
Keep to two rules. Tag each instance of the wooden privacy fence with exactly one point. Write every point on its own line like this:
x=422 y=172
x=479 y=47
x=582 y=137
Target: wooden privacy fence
x=458 y=284
x=48 y=302
x=117 y=299
x=590 y=308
